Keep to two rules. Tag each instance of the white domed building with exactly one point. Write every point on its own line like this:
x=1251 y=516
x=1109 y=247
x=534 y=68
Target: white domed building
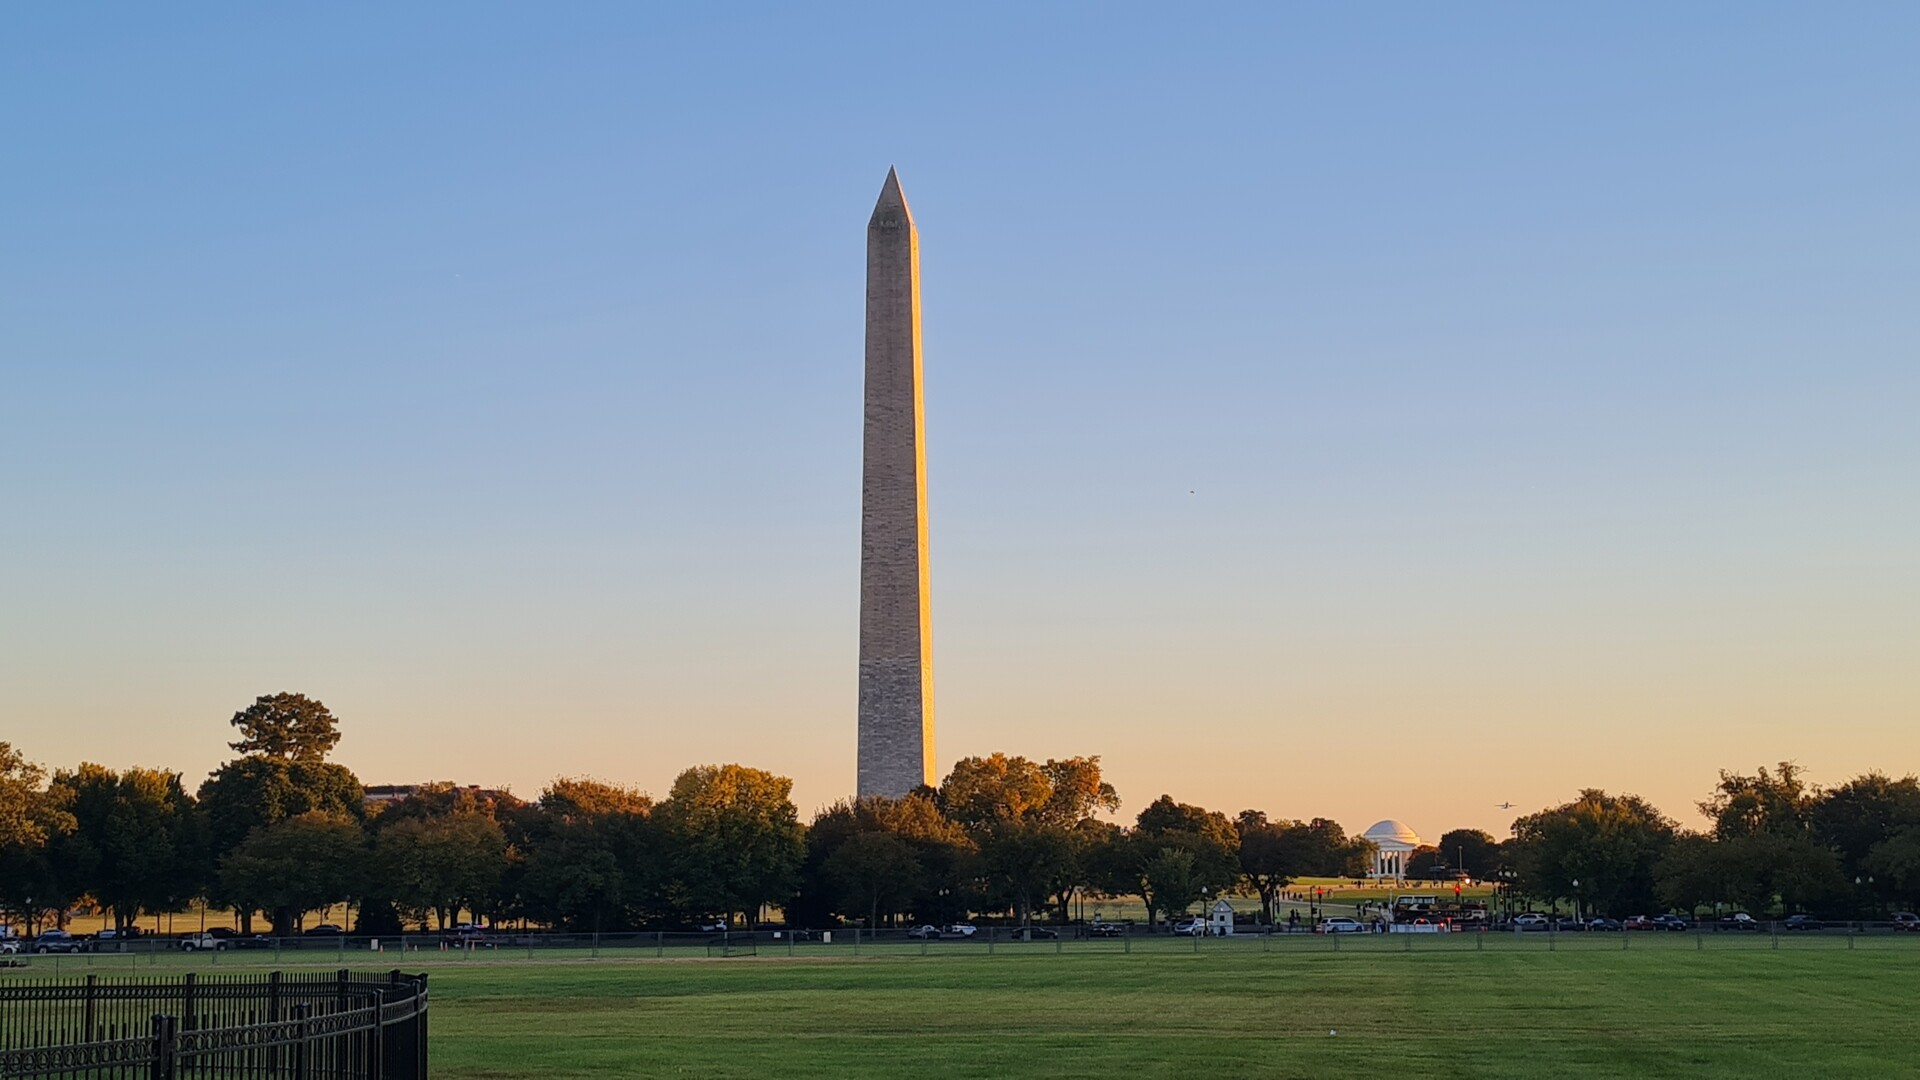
x=1395 y=843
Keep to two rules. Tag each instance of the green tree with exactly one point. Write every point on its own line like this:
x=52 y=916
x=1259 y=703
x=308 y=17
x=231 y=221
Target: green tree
x=1608 y=844
x=733 y=839
x=1860 y=815
x=292 y=727
x=1895 y=864
x=1273 y=854
x=1177 y=853
x=1746 y=805
x=308 y=861
x=249 y=792
x=1472 y=850
x=21 y=795
x=135 y=833
x=873 y=872
x=983 y=791
x=587 y=856
x=441 y=865
x=948 y=881
x=32 y=826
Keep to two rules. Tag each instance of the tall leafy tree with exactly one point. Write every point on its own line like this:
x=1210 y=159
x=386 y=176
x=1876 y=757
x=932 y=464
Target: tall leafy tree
x=1177 y=853
x=588 y=856
x=1762 y=803
x=33 y=825
x=1859 y=816
x=441 y=865
x=1608 y=844
x=253 y=791
x=947 y=880
x=308 y=861
x=292 y=727
x=1025 y=818
x=873 y=872
x=136 y=834
x=733 y=839
x=1472 y=850
x=1272 y=855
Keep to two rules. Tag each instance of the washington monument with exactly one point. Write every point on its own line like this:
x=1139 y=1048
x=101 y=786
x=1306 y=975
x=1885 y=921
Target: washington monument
x=896 y=645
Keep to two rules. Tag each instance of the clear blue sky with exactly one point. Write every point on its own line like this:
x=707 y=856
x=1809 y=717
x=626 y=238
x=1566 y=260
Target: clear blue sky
x=1308 y=388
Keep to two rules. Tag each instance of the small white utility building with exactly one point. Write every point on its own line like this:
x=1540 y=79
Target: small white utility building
x=1396 y=843
x=1220 y=920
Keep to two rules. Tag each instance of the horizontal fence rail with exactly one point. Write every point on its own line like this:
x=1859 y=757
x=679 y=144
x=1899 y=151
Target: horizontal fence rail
x=157 y=955
x=299 y=1025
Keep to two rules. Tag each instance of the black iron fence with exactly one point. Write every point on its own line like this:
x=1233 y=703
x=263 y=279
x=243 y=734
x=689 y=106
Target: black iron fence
x=301 y=1025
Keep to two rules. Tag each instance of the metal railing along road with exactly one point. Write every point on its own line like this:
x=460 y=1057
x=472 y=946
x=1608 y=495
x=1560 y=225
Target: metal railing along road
x=295 y=1025
x=155 y=955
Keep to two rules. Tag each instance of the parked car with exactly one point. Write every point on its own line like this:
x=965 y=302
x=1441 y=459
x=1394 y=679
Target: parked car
x=1532 y=920
x=250 y=941
x=1604 y=923
x=1570 y=925
x=1802 y=922
x=467 y=935
x=1339 y=924
x=1033 y=933
x=959 y=929
x=714 y=926
x=203 y=943
x=325 y=929
x=8 y=946
x=1906 y=920
x=1106 y=929
x=52 y=941
x=1671 y=922
x=1739 y=920
x=1190 y=927
x=1638 y=922
x=924 y=932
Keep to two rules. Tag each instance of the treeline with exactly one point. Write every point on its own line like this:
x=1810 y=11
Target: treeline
x=281 y=830
x=1775 y=845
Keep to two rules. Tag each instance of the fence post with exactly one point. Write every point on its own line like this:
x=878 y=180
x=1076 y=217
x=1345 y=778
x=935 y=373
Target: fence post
x=596 y=944
x=1849 y=937
x=165 y=1048
x=300 y=1041
x=420 y=1028
x=1127 y=939
x=376 y=1037
x=87 y=1020
x=187 y=1003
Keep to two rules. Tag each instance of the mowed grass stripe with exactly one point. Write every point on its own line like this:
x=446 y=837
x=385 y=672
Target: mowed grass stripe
x=1636 y=1013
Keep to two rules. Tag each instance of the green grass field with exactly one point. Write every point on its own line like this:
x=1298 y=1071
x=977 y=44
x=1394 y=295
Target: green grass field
x=1505 y=1012
x=1493 y=1005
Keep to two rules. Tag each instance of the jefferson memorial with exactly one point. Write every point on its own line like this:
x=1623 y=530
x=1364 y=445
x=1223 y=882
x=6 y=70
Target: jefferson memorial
x=1395 y=842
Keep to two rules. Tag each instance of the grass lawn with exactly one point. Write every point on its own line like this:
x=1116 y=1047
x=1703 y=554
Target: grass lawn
x=1509 y=1012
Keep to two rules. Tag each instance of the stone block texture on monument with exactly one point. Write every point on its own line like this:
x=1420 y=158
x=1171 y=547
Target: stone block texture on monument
x=896 y=649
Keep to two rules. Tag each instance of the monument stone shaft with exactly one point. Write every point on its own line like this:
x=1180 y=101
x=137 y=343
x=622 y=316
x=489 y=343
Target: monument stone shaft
x=896 y=647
